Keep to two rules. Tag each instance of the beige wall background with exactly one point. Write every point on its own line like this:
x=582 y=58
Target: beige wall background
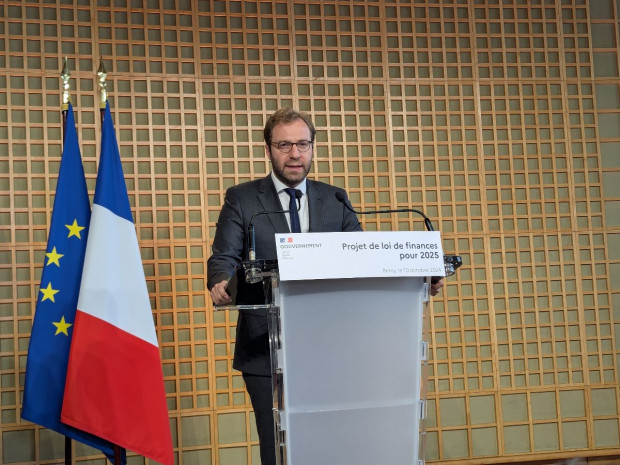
x=499 y=118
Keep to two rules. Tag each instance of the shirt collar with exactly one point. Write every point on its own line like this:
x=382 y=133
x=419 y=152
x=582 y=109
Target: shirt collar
x=280 y=186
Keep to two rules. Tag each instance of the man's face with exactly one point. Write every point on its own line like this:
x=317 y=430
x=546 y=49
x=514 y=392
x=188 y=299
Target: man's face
x=291 y=168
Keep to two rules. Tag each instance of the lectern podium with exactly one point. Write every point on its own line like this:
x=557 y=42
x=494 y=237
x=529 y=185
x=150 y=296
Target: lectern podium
x=346 y=322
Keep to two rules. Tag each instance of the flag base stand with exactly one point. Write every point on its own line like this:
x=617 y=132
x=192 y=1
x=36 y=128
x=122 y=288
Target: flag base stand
x=117 y=455
x=68 y=454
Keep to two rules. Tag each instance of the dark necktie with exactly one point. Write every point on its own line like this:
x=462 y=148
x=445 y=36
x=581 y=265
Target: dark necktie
x=292 y=206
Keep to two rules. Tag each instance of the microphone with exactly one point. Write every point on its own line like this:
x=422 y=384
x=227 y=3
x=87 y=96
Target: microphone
x=253 y=274
x=451 y=262
x=427 y=222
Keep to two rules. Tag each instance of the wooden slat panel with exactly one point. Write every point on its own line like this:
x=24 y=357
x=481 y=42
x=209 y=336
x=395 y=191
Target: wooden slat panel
x=499 y=119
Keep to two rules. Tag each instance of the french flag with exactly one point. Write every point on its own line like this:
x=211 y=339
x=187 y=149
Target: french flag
x=114 y=387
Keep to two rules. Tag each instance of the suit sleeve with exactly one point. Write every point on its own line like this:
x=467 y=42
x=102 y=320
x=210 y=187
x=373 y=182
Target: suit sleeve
x=229 y=242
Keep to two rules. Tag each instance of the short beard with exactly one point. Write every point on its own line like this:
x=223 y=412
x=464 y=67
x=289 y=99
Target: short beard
x=279 y=173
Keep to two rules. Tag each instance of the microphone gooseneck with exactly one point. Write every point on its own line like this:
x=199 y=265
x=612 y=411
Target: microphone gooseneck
x=254 y=273
x=451 y=262
x=252 y=233
x=427 y=222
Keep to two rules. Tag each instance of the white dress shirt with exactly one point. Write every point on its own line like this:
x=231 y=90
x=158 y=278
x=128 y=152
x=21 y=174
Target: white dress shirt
x=304 y=217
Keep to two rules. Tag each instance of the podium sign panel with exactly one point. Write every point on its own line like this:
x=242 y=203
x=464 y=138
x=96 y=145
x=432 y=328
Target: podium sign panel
x=359 y=255
x=347 y=365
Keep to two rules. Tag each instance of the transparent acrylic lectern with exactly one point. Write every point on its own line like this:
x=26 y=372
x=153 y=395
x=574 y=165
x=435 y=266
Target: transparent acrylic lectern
x=348 y=365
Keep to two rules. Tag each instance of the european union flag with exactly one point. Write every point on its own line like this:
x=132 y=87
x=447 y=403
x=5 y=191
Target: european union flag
x=50 y=339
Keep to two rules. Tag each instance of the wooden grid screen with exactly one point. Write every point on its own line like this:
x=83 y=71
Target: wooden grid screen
x=500 y=118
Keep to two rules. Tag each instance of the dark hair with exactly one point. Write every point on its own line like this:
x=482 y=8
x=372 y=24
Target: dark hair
x=286 y=115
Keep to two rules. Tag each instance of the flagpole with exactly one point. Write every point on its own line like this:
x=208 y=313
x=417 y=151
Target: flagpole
x=66 y=99
x=103 y=98
x=103 y=93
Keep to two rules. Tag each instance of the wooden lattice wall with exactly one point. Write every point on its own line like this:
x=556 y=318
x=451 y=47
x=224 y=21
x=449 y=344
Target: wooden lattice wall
x=500 y=118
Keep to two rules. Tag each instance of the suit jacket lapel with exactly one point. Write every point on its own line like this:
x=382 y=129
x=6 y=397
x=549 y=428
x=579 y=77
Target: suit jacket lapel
x=316 y=208
x=268 y=197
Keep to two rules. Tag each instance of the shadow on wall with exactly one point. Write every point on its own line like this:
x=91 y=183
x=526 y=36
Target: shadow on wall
x=610 y=460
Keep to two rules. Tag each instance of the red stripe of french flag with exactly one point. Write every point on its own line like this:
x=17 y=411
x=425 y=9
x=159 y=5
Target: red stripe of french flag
x=114 y=387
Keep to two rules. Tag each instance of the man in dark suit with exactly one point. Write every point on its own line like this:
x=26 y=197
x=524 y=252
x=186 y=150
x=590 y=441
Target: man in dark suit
x=289 y=145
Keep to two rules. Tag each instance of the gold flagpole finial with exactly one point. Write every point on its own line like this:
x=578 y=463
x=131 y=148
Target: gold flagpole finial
x=103 y=94
x=65 y=75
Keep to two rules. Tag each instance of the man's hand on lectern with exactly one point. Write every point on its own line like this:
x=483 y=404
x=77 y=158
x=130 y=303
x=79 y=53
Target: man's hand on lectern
x=219 y=294
x=436 y=286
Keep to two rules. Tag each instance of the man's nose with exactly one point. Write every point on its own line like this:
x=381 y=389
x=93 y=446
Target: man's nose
x=295 y=153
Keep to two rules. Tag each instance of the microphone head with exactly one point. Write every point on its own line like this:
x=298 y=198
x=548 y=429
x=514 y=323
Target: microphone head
x=298 y=194
x=340 y=197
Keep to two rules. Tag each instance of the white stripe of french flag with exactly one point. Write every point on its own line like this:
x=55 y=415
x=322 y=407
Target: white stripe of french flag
x=114 y=387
